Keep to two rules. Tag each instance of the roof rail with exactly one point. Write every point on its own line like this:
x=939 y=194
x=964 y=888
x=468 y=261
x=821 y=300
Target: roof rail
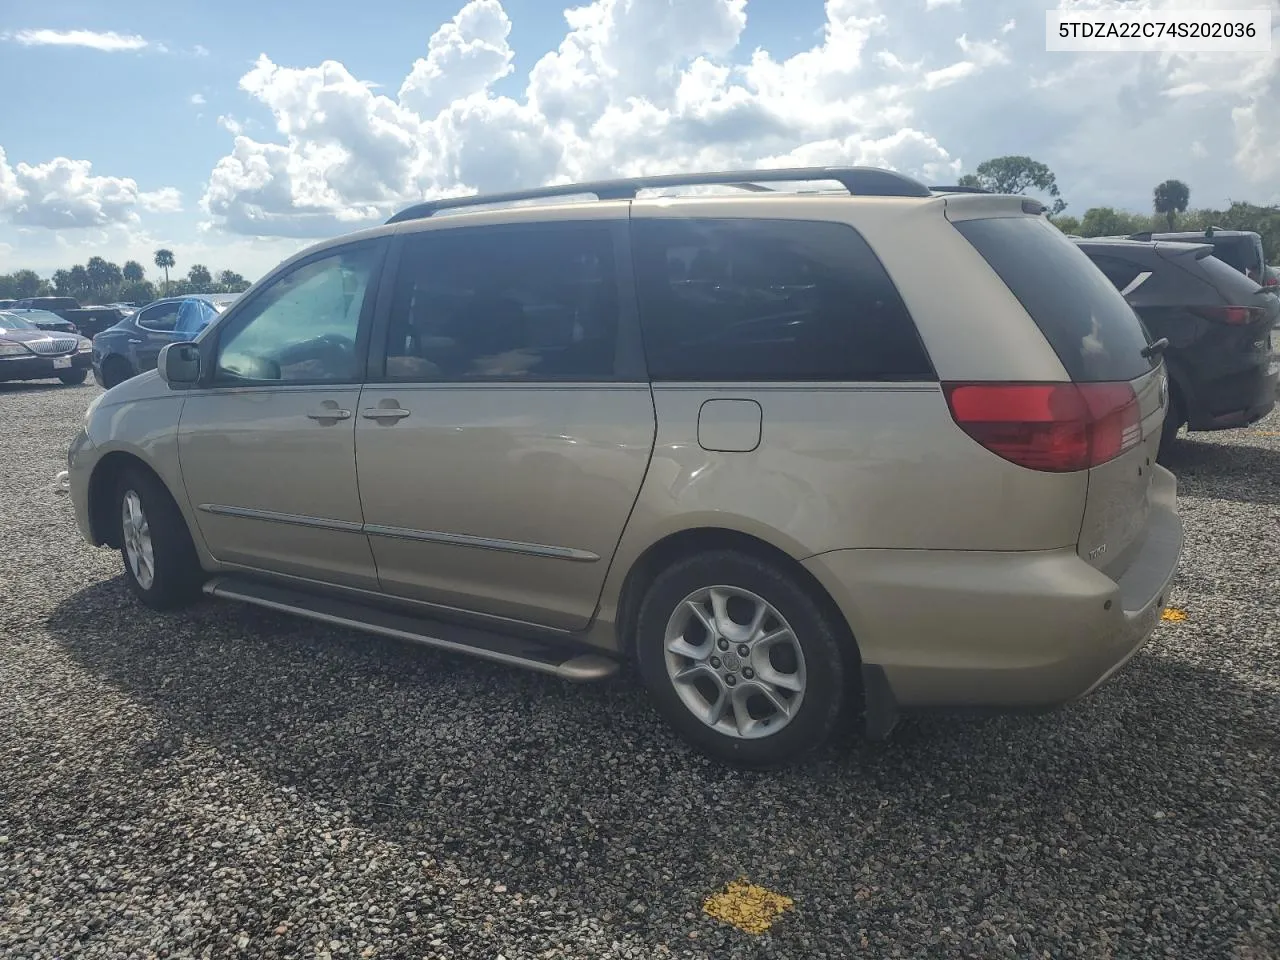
x=957 y=189
x=859 y=181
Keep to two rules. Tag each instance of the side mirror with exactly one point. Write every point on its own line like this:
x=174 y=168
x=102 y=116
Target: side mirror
x=179 y=364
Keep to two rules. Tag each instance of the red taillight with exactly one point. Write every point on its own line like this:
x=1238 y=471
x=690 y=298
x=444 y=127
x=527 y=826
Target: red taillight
x=1234 y=316
x=1271 y=281
x=1055 y=427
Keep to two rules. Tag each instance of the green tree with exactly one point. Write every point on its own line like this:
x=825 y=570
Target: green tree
x=24 y=283
x=62 y=282
x=104 y=277
x=199 y=278
x=1170 y=199
x=141 y=291
x=1016 y=174
x=1068 y=225
x=164 y=260
x=1109 y=222
x=132 y=272
x=79 y=282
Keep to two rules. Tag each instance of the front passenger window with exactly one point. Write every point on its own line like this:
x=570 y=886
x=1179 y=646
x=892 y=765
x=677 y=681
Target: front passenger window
x=303 y=327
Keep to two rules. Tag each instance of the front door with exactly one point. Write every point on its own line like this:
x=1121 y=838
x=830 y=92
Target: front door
x=267 y=445
x=501 y=453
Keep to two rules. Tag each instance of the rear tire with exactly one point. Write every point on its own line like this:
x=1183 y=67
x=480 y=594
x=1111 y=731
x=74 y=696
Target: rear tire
x=160 y=561
x=73 y=378
x=758 y=697
x=115 y=370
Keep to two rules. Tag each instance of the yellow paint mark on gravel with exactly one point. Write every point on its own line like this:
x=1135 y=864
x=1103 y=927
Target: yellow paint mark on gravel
x=1173 y=614
x=1266 y=433
x=748 y=907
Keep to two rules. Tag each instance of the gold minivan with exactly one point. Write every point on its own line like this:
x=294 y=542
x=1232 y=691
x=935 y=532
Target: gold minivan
x=803 y=440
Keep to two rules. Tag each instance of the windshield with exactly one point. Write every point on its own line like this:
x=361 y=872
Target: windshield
x=41 y=316
x=11 y=321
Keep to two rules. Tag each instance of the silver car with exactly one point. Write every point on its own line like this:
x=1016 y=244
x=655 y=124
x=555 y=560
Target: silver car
x=788 y=451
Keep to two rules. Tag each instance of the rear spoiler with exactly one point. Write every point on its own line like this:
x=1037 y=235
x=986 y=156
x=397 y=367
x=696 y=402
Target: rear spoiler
x=1182 y=248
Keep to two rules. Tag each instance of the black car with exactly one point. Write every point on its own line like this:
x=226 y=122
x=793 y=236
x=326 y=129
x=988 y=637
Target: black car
x=1221 y=357
x=1239 y=249
x=29 y=353
x=132 y=345
x=46 y=320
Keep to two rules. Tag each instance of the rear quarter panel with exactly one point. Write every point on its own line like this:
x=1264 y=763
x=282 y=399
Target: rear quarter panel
x=864 y=465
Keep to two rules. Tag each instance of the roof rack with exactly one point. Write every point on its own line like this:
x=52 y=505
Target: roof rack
x=957 y=189
x=859 y=181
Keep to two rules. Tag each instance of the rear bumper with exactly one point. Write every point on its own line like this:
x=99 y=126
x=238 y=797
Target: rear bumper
x=1237 y=404
x=1028 y=630
x=39 y=368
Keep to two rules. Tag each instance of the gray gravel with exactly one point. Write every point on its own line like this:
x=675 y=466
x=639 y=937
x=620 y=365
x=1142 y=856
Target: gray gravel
x=229 y=783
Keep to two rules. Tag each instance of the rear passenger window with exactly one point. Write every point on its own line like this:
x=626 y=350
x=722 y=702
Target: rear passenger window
x=515 y=302
x=1121 y=273
x=770 y=300
x=1092 y=329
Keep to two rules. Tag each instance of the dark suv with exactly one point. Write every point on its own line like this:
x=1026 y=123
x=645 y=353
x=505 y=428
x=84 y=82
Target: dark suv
x=1239 y=249
x=1221 y=355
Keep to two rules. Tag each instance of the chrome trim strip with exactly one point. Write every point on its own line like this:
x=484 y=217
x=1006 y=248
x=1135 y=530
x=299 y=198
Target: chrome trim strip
x=404 y=533
x=293 y=519
x=482 y=543
x=584 y=667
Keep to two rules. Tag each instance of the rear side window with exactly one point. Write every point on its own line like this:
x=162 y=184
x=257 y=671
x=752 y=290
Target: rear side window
x=1083 y=316
x=770 y=300
x=1121 y=273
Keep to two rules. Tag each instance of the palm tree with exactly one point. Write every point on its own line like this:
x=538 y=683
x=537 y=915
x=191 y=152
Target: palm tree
x=165 y=260
x=1170 y=199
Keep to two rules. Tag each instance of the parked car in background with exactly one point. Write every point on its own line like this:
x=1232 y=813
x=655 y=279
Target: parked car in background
x=132 y=345
x=46 y=320
x=1271 y=283
x=1222 y=352
x=741 y=439
x=29 y=353
x=1239 y=249
x=5 y=304
x=89 y=321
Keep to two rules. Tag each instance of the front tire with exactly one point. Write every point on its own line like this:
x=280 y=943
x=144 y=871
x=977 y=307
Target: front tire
x=742 y=659
x=115 y=370
x=73 y=378
x=160 y=561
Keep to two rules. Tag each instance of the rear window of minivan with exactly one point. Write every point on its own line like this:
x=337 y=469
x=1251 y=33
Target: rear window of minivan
x=1092 y=329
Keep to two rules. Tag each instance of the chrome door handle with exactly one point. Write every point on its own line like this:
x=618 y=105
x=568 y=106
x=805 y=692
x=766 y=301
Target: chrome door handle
x=329 y=413
x=384 y=413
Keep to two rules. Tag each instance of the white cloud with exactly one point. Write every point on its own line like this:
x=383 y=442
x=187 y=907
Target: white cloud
x=200 y=50
x=464 y=57
x=164 y=200
x=108 y=41
x=62 y=193
x=197 y=99
x=978 y=57
x=637 y=86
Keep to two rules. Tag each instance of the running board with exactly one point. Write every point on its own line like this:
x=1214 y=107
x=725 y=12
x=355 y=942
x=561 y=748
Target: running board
x=512 y=651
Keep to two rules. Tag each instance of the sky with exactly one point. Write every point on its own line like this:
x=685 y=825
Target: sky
x=239 y=132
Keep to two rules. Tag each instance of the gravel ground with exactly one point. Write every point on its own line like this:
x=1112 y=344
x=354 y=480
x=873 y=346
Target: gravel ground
x=226 y=782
